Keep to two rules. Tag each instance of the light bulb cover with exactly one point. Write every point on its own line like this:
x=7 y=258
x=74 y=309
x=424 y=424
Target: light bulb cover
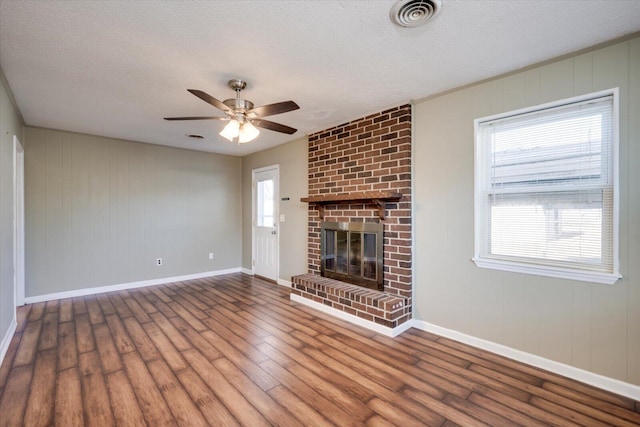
x=231 y=130
x=248 y=132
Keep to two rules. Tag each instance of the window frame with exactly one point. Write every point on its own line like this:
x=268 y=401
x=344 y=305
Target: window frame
x=538 y=268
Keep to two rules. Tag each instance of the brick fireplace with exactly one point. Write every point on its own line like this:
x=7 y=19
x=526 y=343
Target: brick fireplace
x=361 y=172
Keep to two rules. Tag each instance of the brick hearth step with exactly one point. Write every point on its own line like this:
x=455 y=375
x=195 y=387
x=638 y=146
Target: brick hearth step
x=369 y=304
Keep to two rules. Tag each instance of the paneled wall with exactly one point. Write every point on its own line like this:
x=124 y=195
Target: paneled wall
x=590 y=326
x=100 y=211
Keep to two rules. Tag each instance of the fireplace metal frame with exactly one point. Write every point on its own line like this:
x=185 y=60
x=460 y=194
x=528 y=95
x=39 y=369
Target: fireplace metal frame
x=355 y=227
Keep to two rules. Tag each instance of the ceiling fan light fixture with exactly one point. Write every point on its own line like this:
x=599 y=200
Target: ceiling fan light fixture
x=231 y=130
x=240 y=113
x=248 y=132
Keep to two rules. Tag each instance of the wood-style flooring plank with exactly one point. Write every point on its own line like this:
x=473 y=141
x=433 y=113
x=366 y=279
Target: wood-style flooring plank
x=164 y=345
x=168 y=328
x=287 y=355
x=185 y=412
x=126 y=411
x=67 y=349
x=161 y=306
x=371 y=361
x=350 y=404
x=84 y=333
x=600 y=405
x=28 y=343
x=40 y=406
x=138 y=310
x=397 y=416
x=210 y=406
x=105 y=304
x=106 y=349
x=94 y=310
x=447 y=412
x=152 y=404
x=96 y=403
x=141 y=299
x=516 y=405
x=308 y=395
x=69 y=410
x=260 y=400
x=143 y=344
x=52 y=306
x=5 y=368
x=15 y=395
x=247 y=364
x=504 y=410
x=22 y=315
x=65 y=310
x=49 y=333
x=220 y=331
x=234 y=350
x=303 y=412
x=237 y=404
x=195 y=339
x=192 y=320
x=121 y=338
x=37 y=311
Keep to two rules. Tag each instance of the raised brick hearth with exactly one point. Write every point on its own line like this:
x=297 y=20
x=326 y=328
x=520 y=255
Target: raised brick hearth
x=369 y=154
x=379 y=307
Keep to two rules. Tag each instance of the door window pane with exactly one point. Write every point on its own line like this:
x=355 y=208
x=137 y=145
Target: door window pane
x=265 y=204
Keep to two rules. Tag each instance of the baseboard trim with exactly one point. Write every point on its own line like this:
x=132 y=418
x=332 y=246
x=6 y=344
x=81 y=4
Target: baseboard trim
x=389 y=332
x=247 y=271
x=122 y=286
x=596 y=380
x=6 y=340
x=284 y=283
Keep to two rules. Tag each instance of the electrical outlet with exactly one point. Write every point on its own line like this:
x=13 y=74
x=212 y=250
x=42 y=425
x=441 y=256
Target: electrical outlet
x=159 y=261
x=210 y=255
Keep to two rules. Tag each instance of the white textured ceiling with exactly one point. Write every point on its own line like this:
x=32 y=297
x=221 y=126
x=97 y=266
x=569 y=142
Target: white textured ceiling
x=115 y=68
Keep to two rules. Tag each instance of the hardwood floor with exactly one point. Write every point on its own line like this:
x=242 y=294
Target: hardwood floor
x=233 y=350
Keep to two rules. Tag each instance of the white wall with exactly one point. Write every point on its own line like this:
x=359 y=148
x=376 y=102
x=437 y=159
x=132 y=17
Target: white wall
x=10 y=125
x=292 y=158
x=99 y=211
x=589 y=326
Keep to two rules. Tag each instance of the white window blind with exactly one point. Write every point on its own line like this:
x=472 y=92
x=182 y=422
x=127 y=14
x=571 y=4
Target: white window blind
x=545 y=187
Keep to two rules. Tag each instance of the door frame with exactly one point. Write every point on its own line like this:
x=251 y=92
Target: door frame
x=254 y=208
x=18 y=223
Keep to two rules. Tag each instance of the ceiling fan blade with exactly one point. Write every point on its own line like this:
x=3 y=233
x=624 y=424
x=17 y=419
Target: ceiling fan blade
x=196 y=118
x=272 y=109
x=209 y=99
x=266 y=124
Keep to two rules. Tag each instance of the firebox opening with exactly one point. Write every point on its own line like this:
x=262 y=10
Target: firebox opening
x=353 y=252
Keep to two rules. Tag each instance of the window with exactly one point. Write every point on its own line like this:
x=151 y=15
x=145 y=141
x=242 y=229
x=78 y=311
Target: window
x=265 y=203
x=546 y=190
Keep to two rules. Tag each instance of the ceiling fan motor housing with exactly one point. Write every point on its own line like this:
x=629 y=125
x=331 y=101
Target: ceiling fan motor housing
x=238 y=104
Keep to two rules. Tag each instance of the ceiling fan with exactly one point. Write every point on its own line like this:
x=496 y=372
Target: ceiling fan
x=242 y=116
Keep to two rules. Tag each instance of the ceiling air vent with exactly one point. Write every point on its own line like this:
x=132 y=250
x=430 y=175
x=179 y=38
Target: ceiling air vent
x=194 y=136
x=413 y=13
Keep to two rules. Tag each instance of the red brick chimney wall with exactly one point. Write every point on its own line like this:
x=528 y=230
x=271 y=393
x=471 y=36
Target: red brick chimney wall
x=369 y=154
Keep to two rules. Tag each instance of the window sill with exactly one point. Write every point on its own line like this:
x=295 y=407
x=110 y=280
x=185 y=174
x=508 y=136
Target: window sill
x=583 y=276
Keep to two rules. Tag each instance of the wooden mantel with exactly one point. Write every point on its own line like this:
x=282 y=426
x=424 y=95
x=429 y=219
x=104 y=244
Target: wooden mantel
x=379 y=198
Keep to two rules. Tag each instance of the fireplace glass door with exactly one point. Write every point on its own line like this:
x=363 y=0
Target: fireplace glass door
x=352 y=252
